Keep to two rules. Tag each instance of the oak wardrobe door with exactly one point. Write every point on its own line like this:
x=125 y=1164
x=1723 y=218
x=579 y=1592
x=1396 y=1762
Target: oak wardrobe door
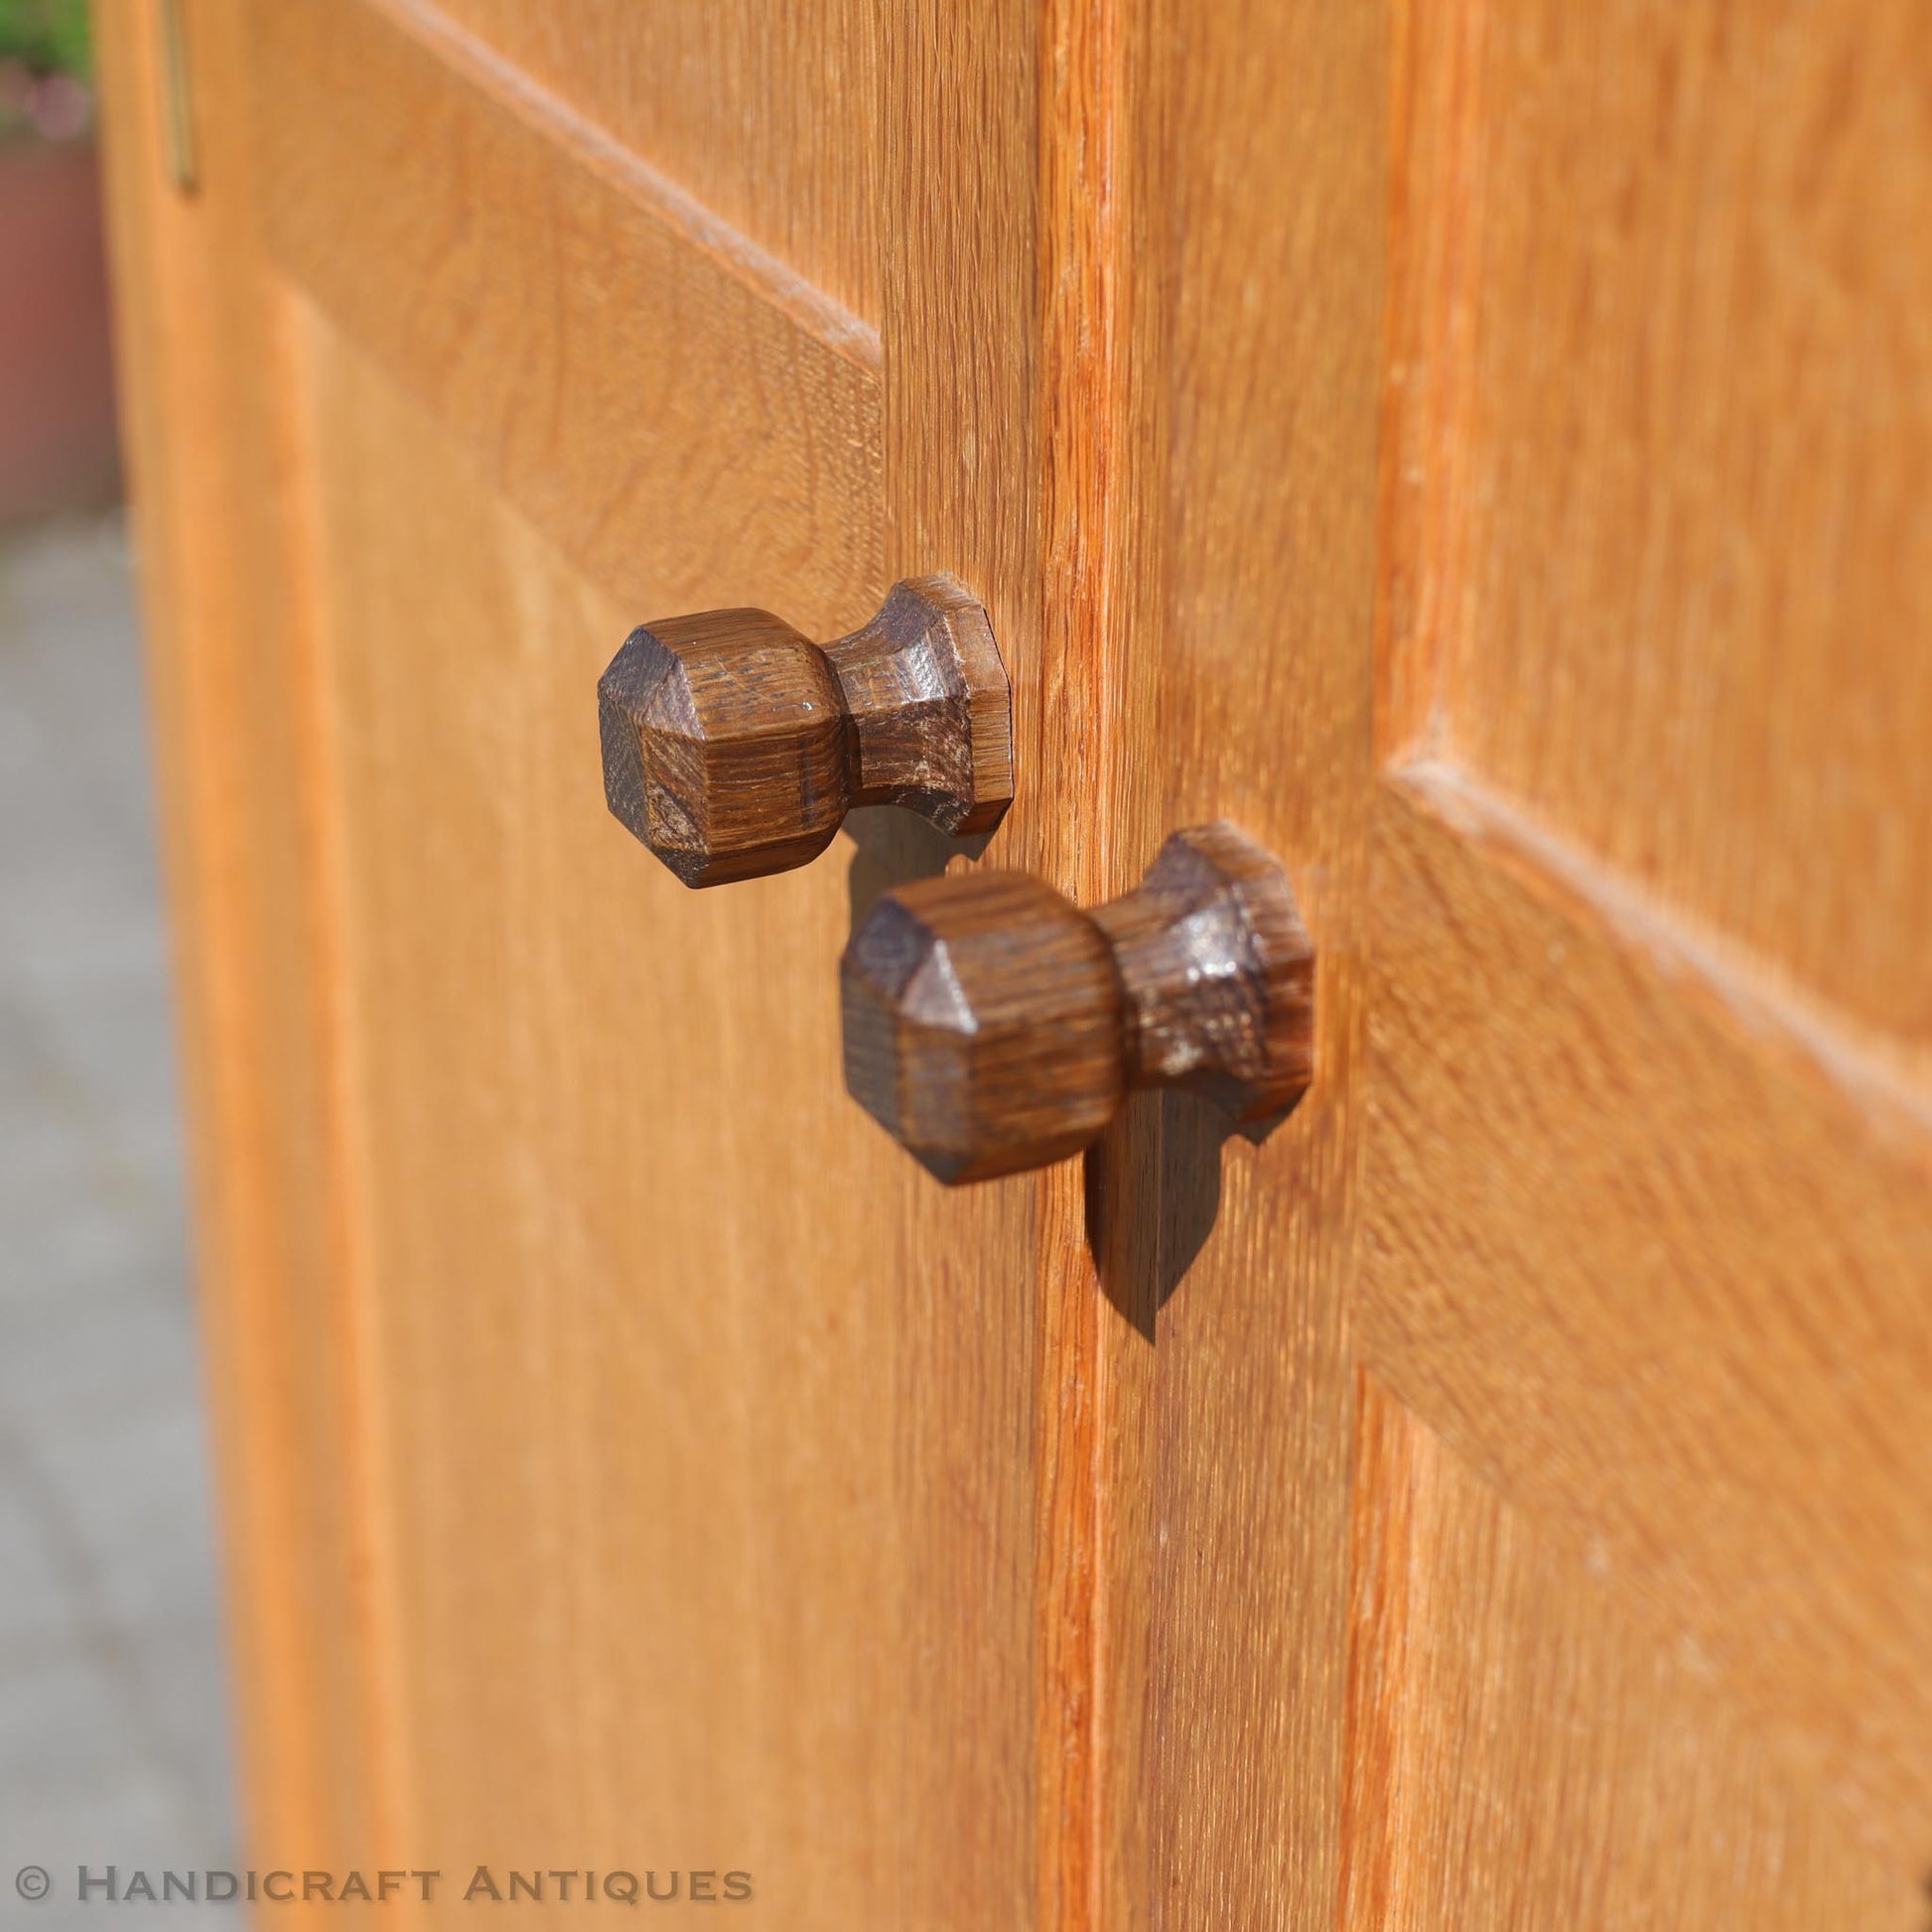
x=1475 y=452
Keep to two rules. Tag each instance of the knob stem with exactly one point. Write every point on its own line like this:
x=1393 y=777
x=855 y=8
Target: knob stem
x=926 y=694
x=1218 y=973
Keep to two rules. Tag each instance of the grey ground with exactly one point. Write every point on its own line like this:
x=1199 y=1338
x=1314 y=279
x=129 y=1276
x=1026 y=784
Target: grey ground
x=114 y=1735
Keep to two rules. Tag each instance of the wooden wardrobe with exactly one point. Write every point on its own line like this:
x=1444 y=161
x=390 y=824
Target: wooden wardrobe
x=1482 y=448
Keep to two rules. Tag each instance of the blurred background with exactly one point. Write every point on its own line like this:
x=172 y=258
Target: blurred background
x=113 y=1728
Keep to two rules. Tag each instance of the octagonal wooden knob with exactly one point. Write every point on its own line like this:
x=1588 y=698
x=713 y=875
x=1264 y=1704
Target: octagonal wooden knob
x=990 y=1025
x=735 y=747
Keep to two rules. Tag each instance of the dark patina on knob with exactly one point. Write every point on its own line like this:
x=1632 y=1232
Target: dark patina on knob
x=990 y=1025
x=733 y=745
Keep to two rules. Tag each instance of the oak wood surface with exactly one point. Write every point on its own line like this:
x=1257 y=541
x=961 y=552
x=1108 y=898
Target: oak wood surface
x=1688 y=454
x=477 y=1404
x=1476 y=449
x=637 y=1386
x=1644 y=1222
x=769 y=115
x=1726 y=1400
x=1520 y=1755
x=672 y=378
x=205 y=354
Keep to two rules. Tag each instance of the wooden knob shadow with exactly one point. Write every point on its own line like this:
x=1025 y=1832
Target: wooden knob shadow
x=733 y=745
x=1152 y=1194
x=991 y=1027
x=892 y=849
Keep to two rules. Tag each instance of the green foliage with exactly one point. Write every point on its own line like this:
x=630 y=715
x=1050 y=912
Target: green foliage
x=47 y=36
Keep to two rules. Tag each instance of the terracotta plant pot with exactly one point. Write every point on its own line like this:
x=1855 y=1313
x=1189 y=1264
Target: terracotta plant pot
x=57 y=446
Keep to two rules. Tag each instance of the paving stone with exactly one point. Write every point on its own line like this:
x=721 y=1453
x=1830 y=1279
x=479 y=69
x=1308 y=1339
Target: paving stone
x=36 y=1610
x=113 y=1737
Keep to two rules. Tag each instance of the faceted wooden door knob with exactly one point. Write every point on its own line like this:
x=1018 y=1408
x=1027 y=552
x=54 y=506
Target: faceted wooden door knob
x=735 y=747
x=990 y=1025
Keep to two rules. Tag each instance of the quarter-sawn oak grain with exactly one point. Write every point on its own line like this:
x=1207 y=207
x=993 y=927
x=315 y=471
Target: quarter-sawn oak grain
x=1497 y=1496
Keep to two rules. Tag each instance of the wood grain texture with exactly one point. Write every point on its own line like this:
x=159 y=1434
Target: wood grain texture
x=207 y=382
x=733 y=746
x=1644 y=1222
x=768 y=113
x=1151 y=446
x=1094 y=549
x=1435 y=215
x=1674 y=518
x=1524 y=1753
x=1012 y=1555
x=723 y=741
x=1272 y=199
x=983 y=1024
x=493 y=1403
x=990 y=1026
x=959 y=325
x=676 y=392
x=1653 y=1278
x=639 y=1391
